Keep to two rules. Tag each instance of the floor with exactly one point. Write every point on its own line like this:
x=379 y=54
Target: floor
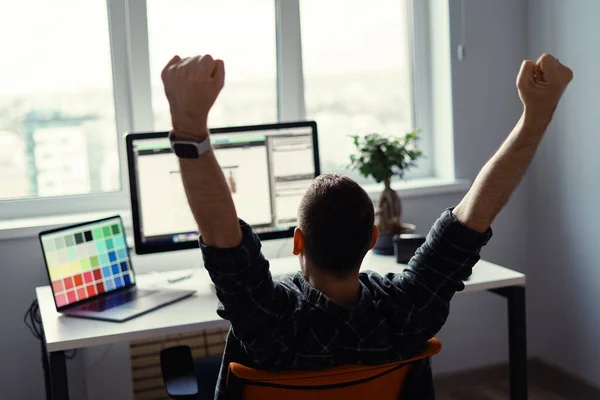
x=498 y=390
x=545 y=383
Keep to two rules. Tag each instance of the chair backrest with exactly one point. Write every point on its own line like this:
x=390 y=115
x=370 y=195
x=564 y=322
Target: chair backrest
x=345 y=382
x=179 y=376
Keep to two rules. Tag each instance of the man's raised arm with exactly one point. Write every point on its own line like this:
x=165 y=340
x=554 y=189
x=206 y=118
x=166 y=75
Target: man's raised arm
x=192 y=86
x=540 y=87
x=231 y=251
x=453 y=245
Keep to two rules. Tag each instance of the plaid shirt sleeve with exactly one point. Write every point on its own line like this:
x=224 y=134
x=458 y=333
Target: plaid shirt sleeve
x=418 y=299
x=249 y=298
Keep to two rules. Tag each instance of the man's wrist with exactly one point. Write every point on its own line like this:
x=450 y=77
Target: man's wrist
x=537 y=119
x=186 y=135
x=197 y=133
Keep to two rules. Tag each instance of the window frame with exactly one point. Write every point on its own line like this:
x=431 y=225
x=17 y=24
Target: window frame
x=422 y=92
x=290 y=75
x=130 y=60
x=417 y=18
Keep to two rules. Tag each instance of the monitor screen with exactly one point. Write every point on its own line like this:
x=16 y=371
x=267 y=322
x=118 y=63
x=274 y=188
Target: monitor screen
x=267 y=167
x=87 y=260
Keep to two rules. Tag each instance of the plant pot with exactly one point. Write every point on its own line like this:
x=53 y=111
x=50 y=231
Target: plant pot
x=405 y=246
x=385 y=242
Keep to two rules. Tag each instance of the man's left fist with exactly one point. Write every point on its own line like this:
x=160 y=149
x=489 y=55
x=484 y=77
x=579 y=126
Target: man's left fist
x=192 y=85
x=542 y=84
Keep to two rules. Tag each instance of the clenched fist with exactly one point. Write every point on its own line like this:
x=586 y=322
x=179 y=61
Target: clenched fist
x=542 y=84
x=192 y=86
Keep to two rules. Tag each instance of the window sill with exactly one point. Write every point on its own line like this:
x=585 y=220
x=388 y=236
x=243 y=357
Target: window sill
x=31 y=227
x=421 y=187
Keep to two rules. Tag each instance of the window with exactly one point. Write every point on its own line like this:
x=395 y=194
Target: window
x=81 y=73
x=57 y=122
x=357 y=73
x=241 y=32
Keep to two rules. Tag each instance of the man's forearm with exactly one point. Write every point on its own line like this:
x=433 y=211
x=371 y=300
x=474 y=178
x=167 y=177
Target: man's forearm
x=192 y=85
x=501 y=174
x=210 y=201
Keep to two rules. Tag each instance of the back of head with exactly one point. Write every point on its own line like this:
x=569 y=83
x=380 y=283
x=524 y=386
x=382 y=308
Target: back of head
x=336 y=218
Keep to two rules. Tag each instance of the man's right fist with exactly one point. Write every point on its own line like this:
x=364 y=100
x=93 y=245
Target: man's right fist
x=542 y=84
x=192 y=86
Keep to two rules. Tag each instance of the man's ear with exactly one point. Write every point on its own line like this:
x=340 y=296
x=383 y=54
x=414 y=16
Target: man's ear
x=298 y=241
x=375 y=236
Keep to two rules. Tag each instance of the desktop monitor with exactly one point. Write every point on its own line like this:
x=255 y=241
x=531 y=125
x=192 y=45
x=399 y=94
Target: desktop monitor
x=268 y=169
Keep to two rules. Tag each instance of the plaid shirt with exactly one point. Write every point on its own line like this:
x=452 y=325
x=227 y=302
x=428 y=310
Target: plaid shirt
x=288 y=324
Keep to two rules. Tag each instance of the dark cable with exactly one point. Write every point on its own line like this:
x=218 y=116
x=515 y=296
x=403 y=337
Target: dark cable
x=71 y=355
x=33 y=320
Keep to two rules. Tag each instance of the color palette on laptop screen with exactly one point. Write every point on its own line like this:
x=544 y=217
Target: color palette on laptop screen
x=87 y=261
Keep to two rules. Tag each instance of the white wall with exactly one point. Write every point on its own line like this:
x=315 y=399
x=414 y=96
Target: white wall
x=564 y=278
x=485 y=108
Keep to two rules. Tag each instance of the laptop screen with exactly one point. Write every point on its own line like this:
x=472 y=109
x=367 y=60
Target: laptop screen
x=87 y=260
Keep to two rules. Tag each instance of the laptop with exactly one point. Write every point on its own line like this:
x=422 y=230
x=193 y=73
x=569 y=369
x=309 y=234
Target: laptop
x=91 y=275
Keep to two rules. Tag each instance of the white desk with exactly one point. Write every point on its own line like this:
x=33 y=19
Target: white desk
x=199 y=312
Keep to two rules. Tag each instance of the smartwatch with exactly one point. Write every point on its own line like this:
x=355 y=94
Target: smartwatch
x=188 y=148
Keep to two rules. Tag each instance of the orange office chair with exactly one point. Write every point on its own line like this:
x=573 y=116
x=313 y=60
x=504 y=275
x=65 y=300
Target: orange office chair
x=345 y=382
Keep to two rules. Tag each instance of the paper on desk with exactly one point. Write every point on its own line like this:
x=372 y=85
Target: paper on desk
x=198 y=280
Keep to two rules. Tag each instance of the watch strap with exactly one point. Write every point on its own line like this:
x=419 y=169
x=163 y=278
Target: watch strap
x=202 y=146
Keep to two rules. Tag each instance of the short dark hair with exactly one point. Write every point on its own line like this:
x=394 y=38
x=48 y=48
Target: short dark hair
x=336 y=218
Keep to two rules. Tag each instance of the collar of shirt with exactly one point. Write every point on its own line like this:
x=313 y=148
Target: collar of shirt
x=319 y=300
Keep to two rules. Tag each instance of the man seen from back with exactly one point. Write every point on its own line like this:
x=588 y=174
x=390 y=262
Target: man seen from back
x=331 y=313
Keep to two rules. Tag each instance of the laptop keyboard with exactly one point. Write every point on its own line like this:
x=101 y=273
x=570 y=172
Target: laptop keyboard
x=115 y=300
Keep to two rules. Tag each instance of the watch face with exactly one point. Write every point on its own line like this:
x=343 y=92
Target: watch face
x=184 y=150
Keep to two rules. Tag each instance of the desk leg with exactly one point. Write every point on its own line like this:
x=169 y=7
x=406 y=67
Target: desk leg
x=58 y=376
x=517 y=340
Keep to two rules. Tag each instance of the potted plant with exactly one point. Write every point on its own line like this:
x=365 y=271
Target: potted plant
x=382 y=158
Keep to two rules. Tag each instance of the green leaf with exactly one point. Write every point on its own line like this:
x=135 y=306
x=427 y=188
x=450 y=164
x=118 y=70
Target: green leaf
x=382 y=157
